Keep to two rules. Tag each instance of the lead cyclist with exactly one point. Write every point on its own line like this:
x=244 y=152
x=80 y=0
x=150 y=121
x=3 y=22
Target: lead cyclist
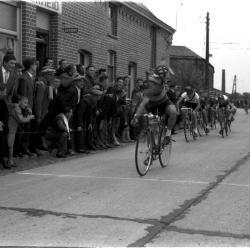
x=155 y=99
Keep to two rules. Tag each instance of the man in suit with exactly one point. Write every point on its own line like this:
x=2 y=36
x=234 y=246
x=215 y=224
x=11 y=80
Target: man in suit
x=6 y=79
x=26 y=87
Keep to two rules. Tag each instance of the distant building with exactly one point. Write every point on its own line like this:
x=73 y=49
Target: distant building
x=123 y=37
x=189 y=68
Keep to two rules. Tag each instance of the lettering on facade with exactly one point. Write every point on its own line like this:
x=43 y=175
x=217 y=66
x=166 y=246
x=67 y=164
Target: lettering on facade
x=55 y=6
x=70 y=30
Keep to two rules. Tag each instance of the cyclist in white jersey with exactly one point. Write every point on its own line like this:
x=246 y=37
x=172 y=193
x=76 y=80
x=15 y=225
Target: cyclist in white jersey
x=191 y=100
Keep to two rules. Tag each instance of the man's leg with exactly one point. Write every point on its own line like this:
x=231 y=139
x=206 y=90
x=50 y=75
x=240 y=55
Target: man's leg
x=194 y=120
x=171 y=113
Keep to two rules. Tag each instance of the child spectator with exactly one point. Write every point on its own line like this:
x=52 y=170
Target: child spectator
x=15 y=118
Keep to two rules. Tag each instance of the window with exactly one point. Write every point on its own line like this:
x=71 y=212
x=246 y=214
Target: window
x=84 y=58
x=153 y=47
x=111 y=65
x=113 y=11
x=6 y=44
x=8 y=17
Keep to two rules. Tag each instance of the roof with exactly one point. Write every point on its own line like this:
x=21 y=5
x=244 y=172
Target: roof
x=142 y=10
x=182 y=51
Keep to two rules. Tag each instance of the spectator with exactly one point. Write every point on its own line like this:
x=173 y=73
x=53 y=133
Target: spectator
x=26 y=87
x=106 y=106
x=58 y=133
x=80 y=69
x=18 y=140
x=62 y=67
x=90 y=77
x=6 y=80
x=54 y=108
x=48 y=62
x=15 y=118
x=43 y=96
x=137 y=95
x=67 y=77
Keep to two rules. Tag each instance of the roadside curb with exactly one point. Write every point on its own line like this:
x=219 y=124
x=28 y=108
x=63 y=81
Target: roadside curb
x=49 y=159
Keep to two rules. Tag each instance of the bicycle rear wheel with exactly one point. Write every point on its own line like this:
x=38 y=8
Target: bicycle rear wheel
x=143 y=152
x=165 y=149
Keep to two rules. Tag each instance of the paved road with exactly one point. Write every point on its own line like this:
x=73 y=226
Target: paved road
x=201 y=199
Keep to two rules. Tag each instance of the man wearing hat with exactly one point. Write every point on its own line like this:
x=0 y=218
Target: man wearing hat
x=43 y=97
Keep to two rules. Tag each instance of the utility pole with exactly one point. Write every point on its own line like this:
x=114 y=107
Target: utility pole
x=234 y=88
x=223 y=82
x=207 y=54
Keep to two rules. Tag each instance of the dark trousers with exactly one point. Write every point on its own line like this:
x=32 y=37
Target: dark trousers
x=58 y=140
x=4 y=114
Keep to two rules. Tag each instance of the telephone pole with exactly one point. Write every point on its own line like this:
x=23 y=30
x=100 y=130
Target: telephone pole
x=234 y=88
x=207 y=54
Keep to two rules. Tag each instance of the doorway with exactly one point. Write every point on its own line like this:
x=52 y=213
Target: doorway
x=41 y=47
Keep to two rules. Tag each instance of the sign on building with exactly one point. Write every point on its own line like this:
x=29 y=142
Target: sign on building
x=54 y=6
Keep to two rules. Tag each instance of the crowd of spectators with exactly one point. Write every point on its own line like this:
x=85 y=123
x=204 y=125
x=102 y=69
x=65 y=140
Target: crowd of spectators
x=65 y=110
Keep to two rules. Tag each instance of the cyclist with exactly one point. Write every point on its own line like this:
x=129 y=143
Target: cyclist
x=245 y=103
x=223 y=104
x=212 y=109
x=155 y=99
x=232 y=110
x=191 y=100
x=204 y=111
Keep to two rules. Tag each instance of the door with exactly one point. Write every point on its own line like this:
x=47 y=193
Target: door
x=41 y=47
x=41 y=53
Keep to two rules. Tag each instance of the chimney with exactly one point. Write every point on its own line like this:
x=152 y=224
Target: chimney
x=223 y=83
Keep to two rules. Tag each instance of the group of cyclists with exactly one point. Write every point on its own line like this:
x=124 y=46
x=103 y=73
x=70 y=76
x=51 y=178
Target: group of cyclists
x=155 y=99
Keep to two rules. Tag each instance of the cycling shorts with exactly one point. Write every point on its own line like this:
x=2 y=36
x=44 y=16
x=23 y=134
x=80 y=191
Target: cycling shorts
x=159 y=107
x=191 y=105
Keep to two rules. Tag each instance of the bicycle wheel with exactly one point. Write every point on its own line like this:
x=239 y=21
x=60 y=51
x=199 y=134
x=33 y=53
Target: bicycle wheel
x=229 y=126
x=226 y=126
x=222 y=126
x=201 y=126
x=143 y=152
x=187 y=130
x=165 y=149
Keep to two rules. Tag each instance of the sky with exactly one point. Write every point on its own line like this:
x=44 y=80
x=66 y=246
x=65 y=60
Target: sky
x=229 y=34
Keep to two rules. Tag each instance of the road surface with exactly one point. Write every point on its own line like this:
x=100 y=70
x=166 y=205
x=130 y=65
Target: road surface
x=201 y=199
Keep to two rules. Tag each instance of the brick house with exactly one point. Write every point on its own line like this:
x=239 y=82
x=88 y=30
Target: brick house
x=189 y=68
x=124 y=37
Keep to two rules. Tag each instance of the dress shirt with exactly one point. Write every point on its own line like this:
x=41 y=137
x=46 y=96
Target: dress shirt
x=6 y=75
x=79 y=94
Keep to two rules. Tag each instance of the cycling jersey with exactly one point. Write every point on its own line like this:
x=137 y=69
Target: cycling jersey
x=223 y=101
x=193 y=99
x=154 y=90
x=191 y=102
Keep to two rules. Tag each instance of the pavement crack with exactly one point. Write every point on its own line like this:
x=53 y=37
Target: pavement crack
x=33 y=212
x=208 y=233
x=183 y=209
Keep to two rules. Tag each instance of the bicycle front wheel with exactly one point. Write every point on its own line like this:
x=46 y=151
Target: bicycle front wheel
x=143 y=152
x=165 y=149
x=187 y=130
